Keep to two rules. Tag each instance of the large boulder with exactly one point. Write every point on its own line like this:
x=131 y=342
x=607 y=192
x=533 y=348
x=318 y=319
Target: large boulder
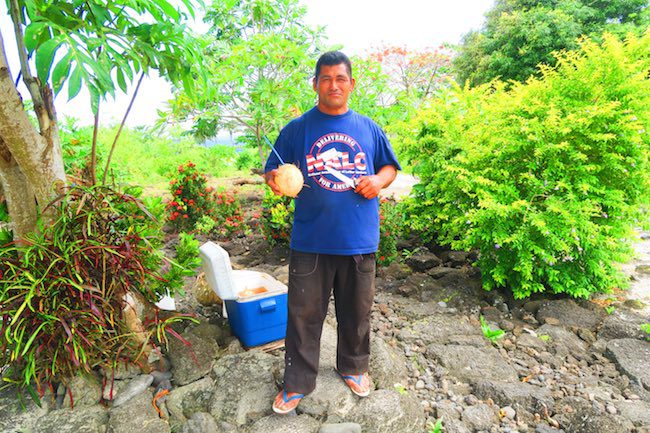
x=137 y=416
x=568 y=313
x=182 y=403
x=194 y=361
x=583 y=418
x=472 y=364
x=331 y=399
x=423 y=260
x=518 y=395
x=388 y=411
x=245 y=385
x=201 y=423
x=285 y=424
x=631 y=358
x=443 y=329
x=622 y=324
x=13 y=417
x=387 y=365
x=91 y=419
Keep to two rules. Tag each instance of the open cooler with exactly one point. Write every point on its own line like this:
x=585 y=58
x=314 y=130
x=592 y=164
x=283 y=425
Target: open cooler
x=255 y=302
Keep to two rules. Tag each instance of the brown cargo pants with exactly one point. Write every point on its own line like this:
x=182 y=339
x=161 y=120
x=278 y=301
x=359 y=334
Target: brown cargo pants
x=312 y=278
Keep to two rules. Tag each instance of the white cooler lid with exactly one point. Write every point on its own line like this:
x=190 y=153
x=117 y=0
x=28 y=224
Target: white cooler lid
x=218 y=270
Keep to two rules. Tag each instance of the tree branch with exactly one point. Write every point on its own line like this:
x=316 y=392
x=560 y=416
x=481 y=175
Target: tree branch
x=119 y=131
x=29 y=80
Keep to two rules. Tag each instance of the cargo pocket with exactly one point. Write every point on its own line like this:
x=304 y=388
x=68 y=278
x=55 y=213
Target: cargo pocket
x=365 y=263
x=302 y=264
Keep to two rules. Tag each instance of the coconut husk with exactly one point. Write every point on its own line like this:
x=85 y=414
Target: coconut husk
x=203 y=292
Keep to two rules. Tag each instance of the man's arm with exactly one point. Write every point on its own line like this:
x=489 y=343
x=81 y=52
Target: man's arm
x=369 y=186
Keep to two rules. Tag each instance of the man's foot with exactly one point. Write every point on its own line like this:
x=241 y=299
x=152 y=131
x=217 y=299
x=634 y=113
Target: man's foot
x=285 y=402
x=360 y=384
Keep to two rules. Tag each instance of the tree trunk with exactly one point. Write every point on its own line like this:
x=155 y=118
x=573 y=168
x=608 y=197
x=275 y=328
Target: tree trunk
x=18 y=193
x=37 y=156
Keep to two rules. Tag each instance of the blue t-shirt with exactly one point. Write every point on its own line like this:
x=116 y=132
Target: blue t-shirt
x=330 y=218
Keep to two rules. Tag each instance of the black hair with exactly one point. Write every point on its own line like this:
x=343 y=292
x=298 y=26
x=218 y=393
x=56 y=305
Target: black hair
x=332 y=58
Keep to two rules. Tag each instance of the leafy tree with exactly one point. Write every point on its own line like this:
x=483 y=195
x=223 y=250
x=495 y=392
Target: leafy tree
x=81 y=43
x=518 y=35
x=258 y=61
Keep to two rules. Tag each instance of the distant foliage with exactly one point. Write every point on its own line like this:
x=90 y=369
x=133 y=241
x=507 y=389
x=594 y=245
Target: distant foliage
x=546 y=180
x=519 y=35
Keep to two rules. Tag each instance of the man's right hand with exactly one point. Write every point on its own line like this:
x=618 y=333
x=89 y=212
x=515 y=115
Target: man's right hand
x=269 y=178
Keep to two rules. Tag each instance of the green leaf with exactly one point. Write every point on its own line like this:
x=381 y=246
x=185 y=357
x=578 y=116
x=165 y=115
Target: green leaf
x=32 y=34
x=120 y=79
x=60 y=72
x=44 y=56
x=74 y=85
x=169 y=10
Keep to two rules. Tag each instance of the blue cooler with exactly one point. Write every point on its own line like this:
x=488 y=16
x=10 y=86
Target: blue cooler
x=255 y=302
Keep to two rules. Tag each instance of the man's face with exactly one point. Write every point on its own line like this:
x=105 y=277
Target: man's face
x=333 y=86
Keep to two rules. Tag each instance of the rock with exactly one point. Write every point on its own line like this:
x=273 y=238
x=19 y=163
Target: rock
x=12 y=415
x=563 y=342
x=395 y=271
x=137 y=416
x=471 y=364
x=346 y=427
x=388 y=411
x=201 y=423
x=643 y=270
x=636 y=411
x=521 y=396
x=422 y=261
x=568 y=313
x=440 y=271
x=245 y=385
x=330 y=399
x=133 y=388
x=91 y=419
x=509 y=412
x=387 y=365
x=631 y=358
x=456 y=426
x=121 y=371
x=284 y=424
x=447 y=410
x=190 y=363
x=480 y=417
x=442 y=329
x=622 y=324
x=527 y=340
x=184 y=402
x=86 y=390
x=456 y=259
x=585 y=419
x=417 y=284
x=544 y=428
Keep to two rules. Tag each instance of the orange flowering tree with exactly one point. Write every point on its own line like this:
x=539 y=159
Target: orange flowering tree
x=415 y=74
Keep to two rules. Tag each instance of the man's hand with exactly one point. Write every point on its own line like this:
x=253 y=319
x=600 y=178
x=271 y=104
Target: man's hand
x=269 y=178
x=369 y=186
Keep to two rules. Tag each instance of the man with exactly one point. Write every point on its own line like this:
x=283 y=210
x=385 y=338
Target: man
x=335 y=230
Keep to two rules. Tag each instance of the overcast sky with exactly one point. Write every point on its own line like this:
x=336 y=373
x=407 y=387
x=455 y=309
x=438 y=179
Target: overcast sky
x=358 y=25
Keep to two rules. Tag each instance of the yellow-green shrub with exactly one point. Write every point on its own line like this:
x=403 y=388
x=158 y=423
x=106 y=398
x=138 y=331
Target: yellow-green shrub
x=547 y=180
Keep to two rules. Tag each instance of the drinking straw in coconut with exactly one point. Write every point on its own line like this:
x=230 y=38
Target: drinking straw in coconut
x=273 y=149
